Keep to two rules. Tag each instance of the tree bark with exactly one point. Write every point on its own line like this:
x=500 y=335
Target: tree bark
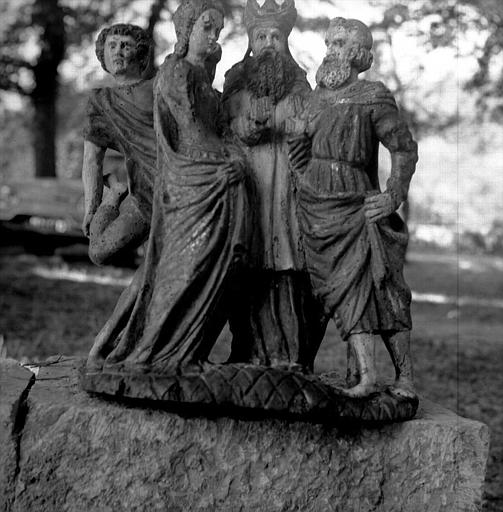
x=44 y=136
x=155 y=15
x=49 y=16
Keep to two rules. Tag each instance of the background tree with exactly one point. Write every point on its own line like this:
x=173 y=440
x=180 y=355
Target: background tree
x=449 y=24
x=34 y=40
x=37 y=36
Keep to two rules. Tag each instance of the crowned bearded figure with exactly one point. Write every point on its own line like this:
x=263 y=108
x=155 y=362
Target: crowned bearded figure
x=354 y=241
x=261 y=93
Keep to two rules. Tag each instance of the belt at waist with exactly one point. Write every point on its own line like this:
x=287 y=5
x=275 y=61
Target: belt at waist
x=332 y=176
x=339 y=164
x=201 y=153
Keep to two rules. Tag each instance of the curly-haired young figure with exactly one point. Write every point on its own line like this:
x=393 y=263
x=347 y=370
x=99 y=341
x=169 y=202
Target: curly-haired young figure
x=120 y=118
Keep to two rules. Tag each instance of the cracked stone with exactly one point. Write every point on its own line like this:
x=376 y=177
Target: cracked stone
x=15 y=382
x=84 y=453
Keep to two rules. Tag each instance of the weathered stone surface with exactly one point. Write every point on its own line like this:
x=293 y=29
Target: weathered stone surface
x=14 y=384
x=81 y=453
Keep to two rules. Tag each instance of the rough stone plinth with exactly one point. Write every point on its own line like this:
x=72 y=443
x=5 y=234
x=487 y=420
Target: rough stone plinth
x=15 y=382
x=82 y=453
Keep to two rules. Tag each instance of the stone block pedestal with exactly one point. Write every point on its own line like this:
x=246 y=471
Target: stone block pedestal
x=74 y=452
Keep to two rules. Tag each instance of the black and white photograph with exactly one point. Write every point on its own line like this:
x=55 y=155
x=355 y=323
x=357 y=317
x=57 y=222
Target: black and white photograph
x=251 y=255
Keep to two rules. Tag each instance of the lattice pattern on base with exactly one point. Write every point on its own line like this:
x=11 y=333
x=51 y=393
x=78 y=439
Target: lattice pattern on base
x=232 y=387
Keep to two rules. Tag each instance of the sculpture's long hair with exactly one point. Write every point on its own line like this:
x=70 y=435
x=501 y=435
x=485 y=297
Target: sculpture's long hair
x=184 y=19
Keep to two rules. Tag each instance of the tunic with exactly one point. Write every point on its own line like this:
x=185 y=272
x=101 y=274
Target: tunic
x=121 y=118
x=356 y=266
x=279 y=323
x=114 y=120
x=277 y=244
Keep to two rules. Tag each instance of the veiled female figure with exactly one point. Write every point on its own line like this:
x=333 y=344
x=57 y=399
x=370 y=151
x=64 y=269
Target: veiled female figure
x=200 y=220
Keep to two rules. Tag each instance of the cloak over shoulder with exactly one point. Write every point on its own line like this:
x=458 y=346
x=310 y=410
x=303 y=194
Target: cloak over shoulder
x=114 y=121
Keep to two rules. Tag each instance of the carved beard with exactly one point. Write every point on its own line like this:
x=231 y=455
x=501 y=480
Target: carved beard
x=270 y=74
x=334 y=71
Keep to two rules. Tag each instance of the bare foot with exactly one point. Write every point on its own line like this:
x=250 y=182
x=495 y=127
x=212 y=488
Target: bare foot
x=361 y=390
x=403 y=388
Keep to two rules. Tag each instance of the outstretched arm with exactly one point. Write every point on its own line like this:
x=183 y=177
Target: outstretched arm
x=92 y=177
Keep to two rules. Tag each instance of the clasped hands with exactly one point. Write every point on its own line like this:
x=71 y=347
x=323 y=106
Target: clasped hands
x=258 y=120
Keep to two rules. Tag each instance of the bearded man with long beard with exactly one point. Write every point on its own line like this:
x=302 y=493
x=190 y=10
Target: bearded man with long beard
x=276 y=322
x=354 y=241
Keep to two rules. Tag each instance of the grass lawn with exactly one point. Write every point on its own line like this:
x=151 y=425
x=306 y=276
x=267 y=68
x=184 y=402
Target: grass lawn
x=458 y=351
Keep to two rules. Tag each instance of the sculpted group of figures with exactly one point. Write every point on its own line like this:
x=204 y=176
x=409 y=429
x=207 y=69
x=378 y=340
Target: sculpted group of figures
x=260 y=206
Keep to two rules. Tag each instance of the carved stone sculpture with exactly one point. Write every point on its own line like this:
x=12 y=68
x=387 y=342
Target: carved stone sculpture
x=199 y=225
x=225 y=242
x=280 y=325
x=354 y=242
x=119 y=118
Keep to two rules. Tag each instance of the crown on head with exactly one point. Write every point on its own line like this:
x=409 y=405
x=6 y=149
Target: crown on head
x=283 y=15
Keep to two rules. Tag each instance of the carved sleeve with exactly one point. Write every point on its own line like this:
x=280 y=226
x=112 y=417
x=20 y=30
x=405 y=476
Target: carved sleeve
x=238 y=111
x=297 y=122
x=237 y=117
x=176 y=85
x=96 y=128
x=393 y=132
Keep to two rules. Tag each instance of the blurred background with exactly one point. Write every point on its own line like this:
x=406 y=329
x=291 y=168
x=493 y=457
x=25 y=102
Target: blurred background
x=442 y=59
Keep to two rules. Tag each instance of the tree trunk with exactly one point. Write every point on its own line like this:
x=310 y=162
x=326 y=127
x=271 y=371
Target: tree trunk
x=44 y=136
x=49 y=16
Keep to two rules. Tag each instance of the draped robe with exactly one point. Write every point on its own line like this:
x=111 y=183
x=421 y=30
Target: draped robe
x=198 y=237
x=114 y=120
x=356 y=267
x=280 y=325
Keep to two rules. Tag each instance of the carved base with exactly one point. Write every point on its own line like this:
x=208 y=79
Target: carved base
x=256 y=390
